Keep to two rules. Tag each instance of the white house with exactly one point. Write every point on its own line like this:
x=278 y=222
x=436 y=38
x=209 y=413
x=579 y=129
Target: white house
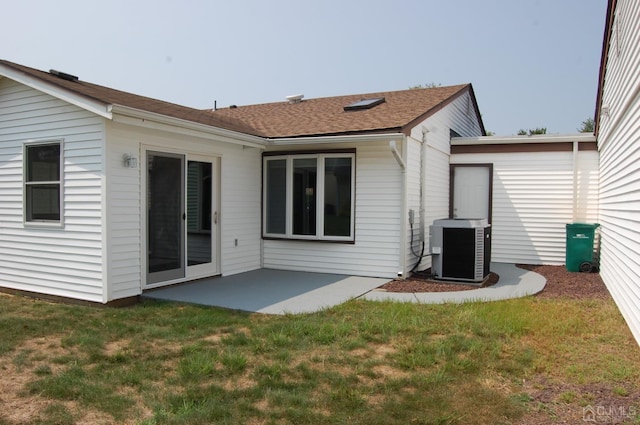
x=104 y=194
x=94 y=184
x=398 y=143
x=618 y=133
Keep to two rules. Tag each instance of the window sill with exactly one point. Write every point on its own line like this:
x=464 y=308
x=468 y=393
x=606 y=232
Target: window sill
x=294 y=239
x=44 y=224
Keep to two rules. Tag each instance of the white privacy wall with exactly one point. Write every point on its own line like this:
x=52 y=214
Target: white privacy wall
x=619 y=144
x=64 y=261
x=533 y=200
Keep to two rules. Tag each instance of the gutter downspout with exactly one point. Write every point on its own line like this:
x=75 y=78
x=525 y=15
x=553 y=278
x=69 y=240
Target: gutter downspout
x=400 y=158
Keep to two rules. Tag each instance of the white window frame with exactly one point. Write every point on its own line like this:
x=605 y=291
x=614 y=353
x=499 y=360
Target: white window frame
x=320 y=176
x=26 y=183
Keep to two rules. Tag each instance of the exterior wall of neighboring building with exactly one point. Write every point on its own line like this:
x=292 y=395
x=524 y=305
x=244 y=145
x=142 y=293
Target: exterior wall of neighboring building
x=619 y=144
x=435 y=133
x=378 y=207
x=533 y=194
x=62 y=260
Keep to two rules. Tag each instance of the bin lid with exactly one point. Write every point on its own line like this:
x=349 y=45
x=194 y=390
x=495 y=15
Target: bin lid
x=582 y=225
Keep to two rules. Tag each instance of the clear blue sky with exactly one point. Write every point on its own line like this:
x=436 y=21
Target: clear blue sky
x=532 y=63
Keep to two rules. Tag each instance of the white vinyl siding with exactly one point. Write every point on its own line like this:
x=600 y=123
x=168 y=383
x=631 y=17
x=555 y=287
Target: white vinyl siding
x=619 y=143
x=378 y=206
x=533 y=201
x=62 y=261
x=415 y=236
x=238 y=211
x=459 y=116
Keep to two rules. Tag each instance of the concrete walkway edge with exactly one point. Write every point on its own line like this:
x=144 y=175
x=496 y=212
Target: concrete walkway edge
x=513 y=283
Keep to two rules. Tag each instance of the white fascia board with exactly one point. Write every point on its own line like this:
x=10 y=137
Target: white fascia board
x=314 y=140
x=140 y=118
x=515 y=140
x=91 y=105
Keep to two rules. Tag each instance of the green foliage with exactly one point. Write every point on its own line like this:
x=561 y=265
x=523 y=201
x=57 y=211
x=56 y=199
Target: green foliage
x=431 y=85
x=532 y=131
x=588 y=126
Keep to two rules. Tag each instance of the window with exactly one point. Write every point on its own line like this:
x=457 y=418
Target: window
x=309 y=196
x=42 y=181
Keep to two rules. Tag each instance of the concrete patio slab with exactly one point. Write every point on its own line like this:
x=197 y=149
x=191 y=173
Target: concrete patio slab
x=514 y=283
x=270 y=291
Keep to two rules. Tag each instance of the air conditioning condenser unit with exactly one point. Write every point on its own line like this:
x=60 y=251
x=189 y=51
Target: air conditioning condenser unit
x=460 y=249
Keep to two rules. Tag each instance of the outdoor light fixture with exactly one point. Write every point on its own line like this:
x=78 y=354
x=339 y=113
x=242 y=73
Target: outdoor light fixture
x=129 y=161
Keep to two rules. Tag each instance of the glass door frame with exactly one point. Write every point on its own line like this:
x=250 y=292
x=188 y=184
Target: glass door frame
x=175 y=220
x=212 y=268
x=187 y=272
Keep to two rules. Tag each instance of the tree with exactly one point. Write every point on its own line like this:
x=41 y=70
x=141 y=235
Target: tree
x=588 y=126
x=426 y=86
x=532 y=131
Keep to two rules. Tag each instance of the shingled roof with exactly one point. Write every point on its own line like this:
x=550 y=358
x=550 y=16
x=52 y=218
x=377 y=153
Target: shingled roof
x=110 y=96
x=400 y=111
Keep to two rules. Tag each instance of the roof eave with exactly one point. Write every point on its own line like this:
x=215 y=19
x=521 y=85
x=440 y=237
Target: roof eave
x=542 y=138
x=603 y=61
x=92 y=105
x=339 y=138
x=141 y=118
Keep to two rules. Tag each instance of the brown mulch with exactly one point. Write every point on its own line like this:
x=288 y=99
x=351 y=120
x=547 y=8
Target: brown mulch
x=423 y=282
x=560 y=283
x=565 y=284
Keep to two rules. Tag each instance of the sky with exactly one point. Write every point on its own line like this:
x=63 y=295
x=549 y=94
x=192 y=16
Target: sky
x=532 y=63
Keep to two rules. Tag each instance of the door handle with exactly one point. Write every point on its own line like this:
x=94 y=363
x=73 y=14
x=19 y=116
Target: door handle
x=215 y=217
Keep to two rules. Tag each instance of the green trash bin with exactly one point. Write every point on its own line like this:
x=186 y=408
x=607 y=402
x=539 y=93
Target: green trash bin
x=579 y=250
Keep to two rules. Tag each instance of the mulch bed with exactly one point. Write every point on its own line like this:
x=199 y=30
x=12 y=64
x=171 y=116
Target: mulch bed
x=560 y=283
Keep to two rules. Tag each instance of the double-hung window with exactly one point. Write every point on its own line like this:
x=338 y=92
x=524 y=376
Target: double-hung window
x=42 y=182
x=309 y=196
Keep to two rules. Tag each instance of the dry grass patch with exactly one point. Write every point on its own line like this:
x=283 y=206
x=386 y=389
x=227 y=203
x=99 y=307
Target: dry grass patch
x=529 y=361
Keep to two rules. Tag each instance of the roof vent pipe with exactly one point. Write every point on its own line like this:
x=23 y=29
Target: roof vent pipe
x=295 y=98
x=63 y=75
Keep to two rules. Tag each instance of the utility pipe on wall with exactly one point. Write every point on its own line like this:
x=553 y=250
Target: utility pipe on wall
x=396 y=154
x=423 y=175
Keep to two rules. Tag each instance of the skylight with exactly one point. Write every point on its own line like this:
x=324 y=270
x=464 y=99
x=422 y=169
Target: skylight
x=364 y=104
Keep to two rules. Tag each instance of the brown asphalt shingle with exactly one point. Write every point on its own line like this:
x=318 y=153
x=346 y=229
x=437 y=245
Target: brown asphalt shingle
x=326 y=116
x=110 y=96
x=310 y=117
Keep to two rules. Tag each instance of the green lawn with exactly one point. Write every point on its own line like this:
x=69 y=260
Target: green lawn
x=528 y=360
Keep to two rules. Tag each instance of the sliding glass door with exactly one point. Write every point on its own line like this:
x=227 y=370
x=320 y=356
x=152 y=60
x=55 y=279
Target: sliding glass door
x=182 y=217
x=165 y=215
